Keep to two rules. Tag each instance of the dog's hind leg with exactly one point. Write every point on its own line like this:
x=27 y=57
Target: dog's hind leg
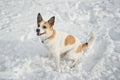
x=75 y=59
x=74 y=62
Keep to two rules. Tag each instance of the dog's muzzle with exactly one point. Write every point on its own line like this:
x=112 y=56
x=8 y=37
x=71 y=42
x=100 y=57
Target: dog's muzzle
x=38 y=32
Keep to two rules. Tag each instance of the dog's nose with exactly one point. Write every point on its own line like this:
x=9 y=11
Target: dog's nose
x=37 y=30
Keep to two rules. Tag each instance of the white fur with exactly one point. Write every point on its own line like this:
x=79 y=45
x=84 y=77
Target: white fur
x=57 y=47
x=41 y=24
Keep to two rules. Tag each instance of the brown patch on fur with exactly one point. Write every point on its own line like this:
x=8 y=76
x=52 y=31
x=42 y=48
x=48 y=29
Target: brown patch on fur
x=69 y=40
x=53 y=35
x=81 y=47
x=48 y=26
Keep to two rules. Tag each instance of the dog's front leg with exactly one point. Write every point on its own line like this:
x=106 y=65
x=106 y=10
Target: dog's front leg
x=49 y=56
x=57 y=61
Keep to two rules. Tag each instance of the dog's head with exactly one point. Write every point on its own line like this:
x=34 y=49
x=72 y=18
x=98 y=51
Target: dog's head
x=44 y=28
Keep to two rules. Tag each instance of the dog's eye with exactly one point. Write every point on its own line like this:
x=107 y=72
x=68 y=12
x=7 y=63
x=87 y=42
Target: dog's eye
x=38 y=25
x=44 y=27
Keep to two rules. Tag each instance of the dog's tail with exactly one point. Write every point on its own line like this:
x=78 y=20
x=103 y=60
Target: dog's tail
x=90 y=41
x=87 y=44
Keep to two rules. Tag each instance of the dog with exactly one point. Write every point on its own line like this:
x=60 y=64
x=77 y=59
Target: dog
x=59 y=43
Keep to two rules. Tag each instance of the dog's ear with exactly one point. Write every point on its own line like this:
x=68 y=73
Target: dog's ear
x=51 y=21
x=39 y=18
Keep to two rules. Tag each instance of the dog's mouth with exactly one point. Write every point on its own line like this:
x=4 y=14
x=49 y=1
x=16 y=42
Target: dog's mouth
x=40 y=34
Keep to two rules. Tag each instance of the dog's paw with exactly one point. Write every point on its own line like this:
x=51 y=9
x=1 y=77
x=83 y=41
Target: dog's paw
x=49 y=56
x=57 y=68
x=72 y=66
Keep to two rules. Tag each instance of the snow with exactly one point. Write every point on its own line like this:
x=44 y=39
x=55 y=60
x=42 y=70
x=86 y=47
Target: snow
x=24 y=57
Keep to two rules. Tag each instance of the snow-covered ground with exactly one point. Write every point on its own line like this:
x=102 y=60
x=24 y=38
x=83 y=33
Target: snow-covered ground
x=23 y=56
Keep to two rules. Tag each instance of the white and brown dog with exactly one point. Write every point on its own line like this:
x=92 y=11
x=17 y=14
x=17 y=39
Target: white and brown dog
x=59 y=43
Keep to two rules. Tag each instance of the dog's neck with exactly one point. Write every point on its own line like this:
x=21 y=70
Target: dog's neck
x=50 y=37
